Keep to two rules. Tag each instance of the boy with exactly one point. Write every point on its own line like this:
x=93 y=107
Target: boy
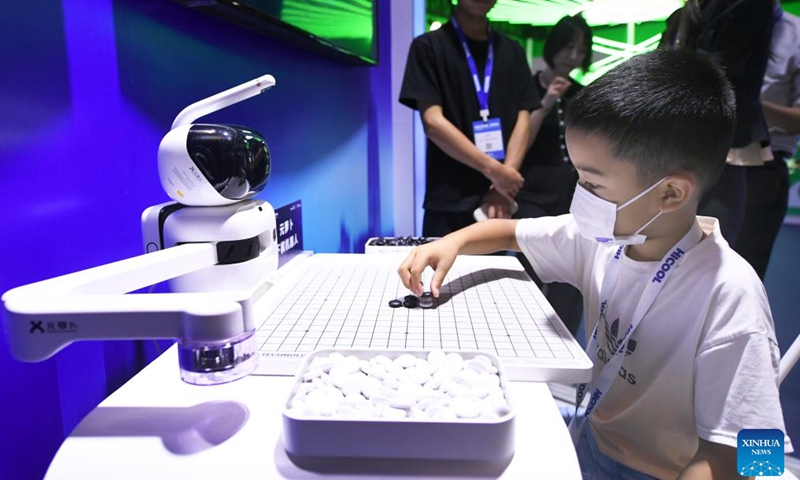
x=683 y=326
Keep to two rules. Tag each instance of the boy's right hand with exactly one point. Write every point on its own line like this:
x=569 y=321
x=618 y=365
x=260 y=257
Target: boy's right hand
x=438 y=255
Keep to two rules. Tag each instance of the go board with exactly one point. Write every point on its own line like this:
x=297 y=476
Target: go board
x=487 y=303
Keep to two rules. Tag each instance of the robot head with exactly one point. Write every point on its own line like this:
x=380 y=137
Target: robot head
x=211 y=165
x=206 y=165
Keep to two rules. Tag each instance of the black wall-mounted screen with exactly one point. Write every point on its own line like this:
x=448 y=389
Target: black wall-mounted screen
x=343 y=29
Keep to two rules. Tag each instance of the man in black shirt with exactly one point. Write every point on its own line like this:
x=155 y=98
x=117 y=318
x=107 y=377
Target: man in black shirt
x=476 y=139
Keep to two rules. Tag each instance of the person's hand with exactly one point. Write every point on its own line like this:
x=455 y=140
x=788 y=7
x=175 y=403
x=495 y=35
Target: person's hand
x=557 y=88
x=497 y=206
x=505 y=180
x=438 y=255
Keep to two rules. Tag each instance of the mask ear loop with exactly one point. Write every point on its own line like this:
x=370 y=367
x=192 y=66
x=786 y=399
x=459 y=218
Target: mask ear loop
x=640 y=195
x=645 y=192
x=637 y=232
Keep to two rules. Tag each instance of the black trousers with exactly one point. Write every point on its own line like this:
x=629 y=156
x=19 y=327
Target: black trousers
x=766 y=201
x=438 y=223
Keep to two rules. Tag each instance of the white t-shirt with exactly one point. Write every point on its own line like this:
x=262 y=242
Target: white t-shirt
x=703 y=362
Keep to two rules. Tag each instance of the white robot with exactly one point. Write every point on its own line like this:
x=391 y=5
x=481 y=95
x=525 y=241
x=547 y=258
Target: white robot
x=215 y=244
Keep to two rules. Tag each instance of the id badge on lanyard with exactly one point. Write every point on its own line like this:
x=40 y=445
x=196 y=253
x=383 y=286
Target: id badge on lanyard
x=600 y=386
x=487 y=132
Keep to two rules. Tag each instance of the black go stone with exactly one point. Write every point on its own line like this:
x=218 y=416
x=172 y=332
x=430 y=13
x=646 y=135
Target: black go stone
x=395 y=303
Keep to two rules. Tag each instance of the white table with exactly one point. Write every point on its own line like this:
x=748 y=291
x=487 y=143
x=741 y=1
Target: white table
x=156 y=426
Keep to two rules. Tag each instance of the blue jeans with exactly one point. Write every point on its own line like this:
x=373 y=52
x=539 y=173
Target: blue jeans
x=595 y=465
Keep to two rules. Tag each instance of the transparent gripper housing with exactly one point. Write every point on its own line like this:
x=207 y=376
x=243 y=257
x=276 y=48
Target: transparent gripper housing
x=216 y=363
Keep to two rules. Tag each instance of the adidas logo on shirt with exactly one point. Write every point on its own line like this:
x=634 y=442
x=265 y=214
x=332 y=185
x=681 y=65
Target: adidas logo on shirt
x=612 y=344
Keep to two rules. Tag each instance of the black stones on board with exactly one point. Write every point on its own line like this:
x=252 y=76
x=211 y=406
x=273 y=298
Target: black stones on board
x=410 y=303
x=426 y=300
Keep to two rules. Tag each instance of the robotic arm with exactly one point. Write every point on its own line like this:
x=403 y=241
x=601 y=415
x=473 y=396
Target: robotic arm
x=215 y=332
x=216 y=248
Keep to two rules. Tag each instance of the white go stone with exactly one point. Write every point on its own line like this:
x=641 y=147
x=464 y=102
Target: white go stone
x=465 y=407
x=377 y=371
x=312 y=374
x=365 y=366
x=336 y=357
x=440 y=387
x=406 y=360
x=418 y=375
x=393 y=413
x=383 y=360
x=402 y=402
x=446 y=413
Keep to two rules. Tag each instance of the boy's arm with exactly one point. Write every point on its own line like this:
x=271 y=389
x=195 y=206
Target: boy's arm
x=455 y=144
x=712 y=461
x=480 y=238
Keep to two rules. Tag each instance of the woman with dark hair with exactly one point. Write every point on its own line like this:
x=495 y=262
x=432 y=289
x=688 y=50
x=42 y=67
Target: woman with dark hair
x=736 y=35
x=549 y=176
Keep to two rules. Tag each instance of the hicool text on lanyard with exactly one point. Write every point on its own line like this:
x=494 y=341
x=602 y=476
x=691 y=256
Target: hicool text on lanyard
x=608 y=373
x=488 y=132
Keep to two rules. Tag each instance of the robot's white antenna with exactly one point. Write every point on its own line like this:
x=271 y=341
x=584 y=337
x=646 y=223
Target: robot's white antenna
x=223 y=99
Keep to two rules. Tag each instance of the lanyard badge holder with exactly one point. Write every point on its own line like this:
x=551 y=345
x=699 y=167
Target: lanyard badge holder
x=487 y=132
x=600 y=386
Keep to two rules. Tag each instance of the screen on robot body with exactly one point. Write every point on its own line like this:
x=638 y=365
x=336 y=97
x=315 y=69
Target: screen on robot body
x=343 y=29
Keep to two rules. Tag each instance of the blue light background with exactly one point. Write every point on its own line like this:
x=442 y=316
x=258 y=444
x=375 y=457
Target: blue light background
x=87 y=90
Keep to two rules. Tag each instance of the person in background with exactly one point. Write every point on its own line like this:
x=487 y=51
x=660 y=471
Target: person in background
x=736 y=35
x=767 y=194
x=474 y=93
x=549 y=175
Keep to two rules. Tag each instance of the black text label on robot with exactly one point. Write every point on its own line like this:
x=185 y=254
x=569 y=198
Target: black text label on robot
x=61 y=326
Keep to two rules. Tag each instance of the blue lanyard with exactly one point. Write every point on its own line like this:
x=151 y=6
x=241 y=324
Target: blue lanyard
x=481 y=90
x=609 y=371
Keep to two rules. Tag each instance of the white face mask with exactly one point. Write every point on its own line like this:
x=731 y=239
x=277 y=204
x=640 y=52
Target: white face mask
x=596 y=217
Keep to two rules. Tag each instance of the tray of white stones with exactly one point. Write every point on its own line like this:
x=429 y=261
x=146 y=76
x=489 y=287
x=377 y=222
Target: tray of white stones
x=400 y=404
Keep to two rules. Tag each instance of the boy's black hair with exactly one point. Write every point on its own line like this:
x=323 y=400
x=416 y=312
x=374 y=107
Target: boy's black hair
x=563 y=32
x=664 y=111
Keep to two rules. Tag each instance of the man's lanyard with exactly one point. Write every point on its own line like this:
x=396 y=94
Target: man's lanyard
x=481 y=91
x=608 y=373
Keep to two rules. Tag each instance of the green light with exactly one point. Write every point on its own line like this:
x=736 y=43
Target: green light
x=596 y=12
x=614 y=53
x=346 y=22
